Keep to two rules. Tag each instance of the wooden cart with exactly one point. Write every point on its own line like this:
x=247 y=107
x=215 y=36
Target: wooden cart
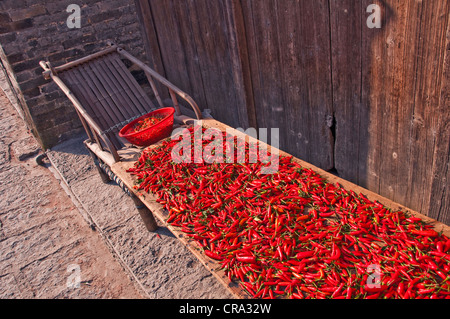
x=106 y=97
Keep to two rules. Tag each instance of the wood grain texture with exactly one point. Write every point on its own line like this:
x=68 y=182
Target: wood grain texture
x=350 y=113
x=288 y=45
x=407 y=100
x=194 y=41
x=178 y=53
x=240 y=64
x=439 y=196
x=151 y=43
x=209 y=31
x=148 y=30
x=386 y=97
x=425 y=116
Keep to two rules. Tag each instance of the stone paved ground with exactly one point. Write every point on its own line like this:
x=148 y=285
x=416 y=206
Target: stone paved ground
x=42 y=232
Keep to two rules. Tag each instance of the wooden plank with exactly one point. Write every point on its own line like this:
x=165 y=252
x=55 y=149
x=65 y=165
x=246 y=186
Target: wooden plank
x=74 y=85
x=148 y=30
x=305 y=58
x=288 y=42
x=90 y=102
x=152 y=50
x=262 y=43
x=350 y=114
x=175 y=39
x=144 y=104
x=129 y=156
x=110 y=85
x=430 y=55
x=125 y=103
x=240 y=64
x=204 y=54
x=385 y=96
x=360 y=70
x=125 y=94
x=394 y=92
x=209 y=28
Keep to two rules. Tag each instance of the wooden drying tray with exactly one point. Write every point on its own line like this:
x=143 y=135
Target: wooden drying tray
x=130 y=156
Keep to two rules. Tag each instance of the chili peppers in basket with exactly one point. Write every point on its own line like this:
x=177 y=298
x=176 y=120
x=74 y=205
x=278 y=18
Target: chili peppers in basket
x=293 y=234
x=146 y=123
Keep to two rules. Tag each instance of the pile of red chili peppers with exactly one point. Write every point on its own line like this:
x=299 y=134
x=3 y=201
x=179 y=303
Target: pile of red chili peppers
x=293 y=234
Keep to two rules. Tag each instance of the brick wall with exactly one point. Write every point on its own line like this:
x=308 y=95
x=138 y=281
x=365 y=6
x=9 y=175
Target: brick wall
x=31 y=31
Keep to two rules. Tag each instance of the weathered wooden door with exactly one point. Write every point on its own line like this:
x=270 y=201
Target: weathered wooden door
x=369 y=103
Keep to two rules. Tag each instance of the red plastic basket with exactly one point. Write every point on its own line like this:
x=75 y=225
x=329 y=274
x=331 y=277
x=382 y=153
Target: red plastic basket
x=151 y=134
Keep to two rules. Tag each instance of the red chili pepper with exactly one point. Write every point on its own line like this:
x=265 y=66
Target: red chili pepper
x=439 y=254
x=337 y=290
x=335 y=253
x=425 y=291
x=447 y=245
x=348 y=293
x=246 y=259
x=428 y=233
x=375 y=288
x=304 y=254
x=213 y=255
